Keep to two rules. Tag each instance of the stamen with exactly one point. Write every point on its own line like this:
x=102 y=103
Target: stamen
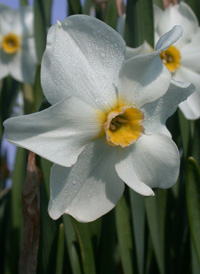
x=10 y=43
x=171 y=58
x=123 y=126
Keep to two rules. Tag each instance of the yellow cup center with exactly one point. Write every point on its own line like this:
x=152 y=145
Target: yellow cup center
x=10 y=43
x=123 y=126
x=171 y=58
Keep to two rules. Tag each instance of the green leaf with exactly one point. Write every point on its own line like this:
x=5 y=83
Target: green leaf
x=139 y=24
x=60 y=250
x=193 y=202
x=138 y=219
x=87 y=6
x=74 y=7
x=106 y=262
x=49 y=227
x=86 y=249
x=195 y=6
x=23 y=3
x=195 y=262
x=159 y=3
x=4 y=221
x=47 y=6
x=156 y=212
x=185 y=132
x=71 y=242
x=38 y=93
x=39 y=28
x=124 y=235
x=196 y=142
x=111 y=14
x=16 y=223
x=8 y=95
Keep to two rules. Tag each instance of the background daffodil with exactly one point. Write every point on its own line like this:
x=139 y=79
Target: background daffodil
x=17 y=46
x=106 y=125
x=182 y=58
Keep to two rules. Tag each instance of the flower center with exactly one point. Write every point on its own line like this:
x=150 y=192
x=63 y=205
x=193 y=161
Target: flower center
x=171 y=58
x=10 y=43
x=123 y=126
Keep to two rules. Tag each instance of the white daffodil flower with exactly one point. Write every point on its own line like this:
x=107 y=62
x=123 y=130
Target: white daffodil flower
x=182 y=58
x=106 y=125
x=17 y=48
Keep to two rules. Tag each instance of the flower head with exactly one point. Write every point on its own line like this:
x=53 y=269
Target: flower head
x=182 y=59
x=106 y=125
x=17 y=49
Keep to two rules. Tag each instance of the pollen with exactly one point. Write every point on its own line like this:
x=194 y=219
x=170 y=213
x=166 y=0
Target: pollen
x=171 y=58
x=123 y=126
x=10 y=43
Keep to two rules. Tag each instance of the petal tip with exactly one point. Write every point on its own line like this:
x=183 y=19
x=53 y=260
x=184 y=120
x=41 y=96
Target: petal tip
x=59 y=24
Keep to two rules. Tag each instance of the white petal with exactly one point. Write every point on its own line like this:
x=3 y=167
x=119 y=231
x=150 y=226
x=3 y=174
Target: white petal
x=191 y=107
x=24 y=21
x=190 y=53
x=19 y=21
x=132 y=52
x=156 y=113
x=6 y=19
x=153 y=160
x=158 y=13
x=169 y=38
x=179 y=15
x=59 y=133
x=82 y=58
x=22 y=67
x=90 y=188
x=3 y=64
x=143 y=79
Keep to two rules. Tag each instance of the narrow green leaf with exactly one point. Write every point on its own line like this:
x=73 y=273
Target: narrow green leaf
x=196 y=142
x=60 y=250
x=47 y=6
x=156 y=212
x=139 y=24
x=195 y=6
x=46 y=167
x=71 y=241
x=138 y=219
x=38 y=93
x=111 y=14
x=49 y=227
x=16 y=224
x=74 y=7
x=87 y=6
x=39 y=28
x=4 y=221
x=28 y=98
x=86 y=249
x=23 y=3
x=195 y=262
x=185 y=132
x=124 y=235
x=159 y=3
x=9 y=91
x=193 y=202
x=106 y=260
x=95 y=232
